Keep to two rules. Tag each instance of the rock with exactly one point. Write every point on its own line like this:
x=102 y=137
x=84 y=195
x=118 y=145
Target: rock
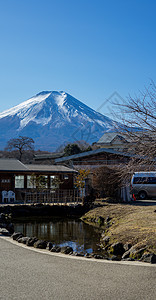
x=55 y=249
x=127 y=246
x=40 y=244
x=115 y=258
x=49 y=246
x=23 y=239
x=128 y=259
x=105 y=240
x=66 y=250
x=100 y=220
x=17 y=235
x=117 y=249
x=87 y=255
x=4 y=232
x=126 y=255
x=98 y=256
x=31 y=241
x=78 y=254
x=108 y=219
x=149 y=258
x=136 y=253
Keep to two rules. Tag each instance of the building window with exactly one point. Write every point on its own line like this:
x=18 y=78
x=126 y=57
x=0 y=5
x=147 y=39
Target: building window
x=44 y=181
x=34 y=181
x=31 y=182
x=54 y=182
x=19 y=182
x=65 y=177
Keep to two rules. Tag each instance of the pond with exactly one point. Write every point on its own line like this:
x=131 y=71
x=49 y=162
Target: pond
x=75 y=233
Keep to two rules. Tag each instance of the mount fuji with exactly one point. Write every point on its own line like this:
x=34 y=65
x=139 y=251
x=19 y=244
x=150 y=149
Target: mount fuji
x=51 y=119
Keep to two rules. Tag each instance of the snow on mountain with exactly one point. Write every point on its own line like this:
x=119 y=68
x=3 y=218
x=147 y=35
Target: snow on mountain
x=51 y=119
x=26 y=111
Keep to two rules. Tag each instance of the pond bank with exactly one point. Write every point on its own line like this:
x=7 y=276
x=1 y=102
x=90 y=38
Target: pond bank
x=129 y=231
x=41 y=210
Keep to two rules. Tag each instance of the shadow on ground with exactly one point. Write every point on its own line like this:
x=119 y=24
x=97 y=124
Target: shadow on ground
x=144 y=202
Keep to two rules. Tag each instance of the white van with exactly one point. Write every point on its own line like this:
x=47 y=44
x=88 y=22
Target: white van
x=143 y=185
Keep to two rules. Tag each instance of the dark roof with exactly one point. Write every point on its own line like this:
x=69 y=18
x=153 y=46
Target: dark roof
x=108 y=137
x=15 y=165
x=128 y=137
x=11 y=165
x=49 y=168
x=89 y=153
x=48 y=155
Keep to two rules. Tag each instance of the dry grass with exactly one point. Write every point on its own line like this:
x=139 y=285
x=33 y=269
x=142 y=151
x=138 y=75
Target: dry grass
x=133 y=224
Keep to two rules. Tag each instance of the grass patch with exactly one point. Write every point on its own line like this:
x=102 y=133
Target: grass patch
x=129 y=223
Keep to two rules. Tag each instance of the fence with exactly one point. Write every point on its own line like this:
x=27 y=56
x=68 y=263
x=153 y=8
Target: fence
x=53 y=196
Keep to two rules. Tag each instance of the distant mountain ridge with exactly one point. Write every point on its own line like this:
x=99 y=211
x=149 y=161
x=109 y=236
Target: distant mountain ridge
x=53 y=118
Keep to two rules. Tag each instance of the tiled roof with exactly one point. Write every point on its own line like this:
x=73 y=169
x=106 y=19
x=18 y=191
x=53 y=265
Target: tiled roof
x=48 y=155
x=15 y=165
x=90 y=153
x=11 y=165
x=108 y=137
x=49 y=168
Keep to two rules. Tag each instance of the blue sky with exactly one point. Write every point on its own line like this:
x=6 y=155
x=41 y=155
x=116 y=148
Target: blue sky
x=87 y=48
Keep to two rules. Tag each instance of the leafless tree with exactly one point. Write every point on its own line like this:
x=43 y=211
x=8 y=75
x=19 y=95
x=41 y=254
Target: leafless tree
x=106 y=181
x=20 y=144
x=138 y=115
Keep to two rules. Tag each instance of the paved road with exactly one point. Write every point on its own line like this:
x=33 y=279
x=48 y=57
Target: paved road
x=26 y=274
x=144 y=202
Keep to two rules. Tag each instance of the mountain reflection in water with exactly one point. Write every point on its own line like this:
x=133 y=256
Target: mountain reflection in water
x=80 y=236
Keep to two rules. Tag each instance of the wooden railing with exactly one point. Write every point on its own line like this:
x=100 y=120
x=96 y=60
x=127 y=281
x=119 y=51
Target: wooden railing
x=53 y=196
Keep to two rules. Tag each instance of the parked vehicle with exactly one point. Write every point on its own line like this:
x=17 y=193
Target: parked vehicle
x=143 y=185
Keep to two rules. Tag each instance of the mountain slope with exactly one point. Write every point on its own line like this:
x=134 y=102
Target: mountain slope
x=51 y=119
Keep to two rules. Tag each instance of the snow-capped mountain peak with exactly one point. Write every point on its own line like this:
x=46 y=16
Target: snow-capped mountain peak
x=24 y=105
x=52 y=118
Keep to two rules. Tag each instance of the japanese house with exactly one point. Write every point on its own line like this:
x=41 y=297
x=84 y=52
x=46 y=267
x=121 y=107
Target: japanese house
x=17 y=177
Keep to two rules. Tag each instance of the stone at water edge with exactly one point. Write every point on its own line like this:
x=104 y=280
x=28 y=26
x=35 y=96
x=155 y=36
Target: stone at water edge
x=126 y=254
x=31 y=241
x=127 y=246
x=149 y=258
x=23 y=239
x=87 y=255
x=117 y=249
x=136 y=253
x=77 y=254
x=49 y=246
x=40 y=244
x=17 y=235
x=66 y=250
x=55 y=249
x=115 y=258
x=128 y=259
x=4 y=232
x=98 y=256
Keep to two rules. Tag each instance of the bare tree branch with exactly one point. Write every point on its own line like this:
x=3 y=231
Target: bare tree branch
x=21 y=144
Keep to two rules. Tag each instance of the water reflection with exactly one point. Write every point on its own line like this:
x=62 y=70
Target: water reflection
x=80 y=236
